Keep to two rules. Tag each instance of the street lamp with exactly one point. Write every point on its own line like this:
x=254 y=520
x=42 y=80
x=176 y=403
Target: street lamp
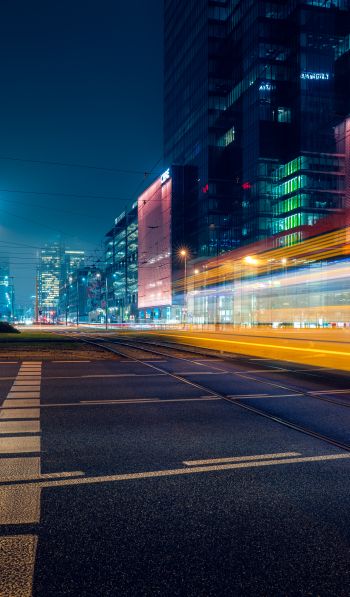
x=106 y=301
x=184 y=254
x=68 y=297
x=12 y=297
x=77 y=301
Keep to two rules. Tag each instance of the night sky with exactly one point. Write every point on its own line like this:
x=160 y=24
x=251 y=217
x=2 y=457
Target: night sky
x=81 y=83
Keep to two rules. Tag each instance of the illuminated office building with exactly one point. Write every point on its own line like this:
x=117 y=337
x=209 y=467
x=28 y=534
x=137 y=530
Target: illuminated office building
x=72 y=261
x=253 y=92
x=49 y=278
x=6 y=293
x=121 y=250
x=163 y=252
x=70 y=286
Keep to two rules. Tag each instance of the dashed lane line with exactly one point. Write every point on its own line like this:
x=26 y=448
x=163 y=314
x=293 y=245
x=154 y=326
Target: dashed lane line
x=103 y=376
x=244 y=396
x=153 y=401
x=241 y=458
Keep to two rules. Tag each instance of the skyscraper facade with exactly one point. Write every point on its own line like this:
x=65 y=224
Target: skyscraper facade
x=49 y=280
x=252 y=99
x=163 y=229
x=71 y=262
x=121 y=250
x=196 y=130
x=6 y=292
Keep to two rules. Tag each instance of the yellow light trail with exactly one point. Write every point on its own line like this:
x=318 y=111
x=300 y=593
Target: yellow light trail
x=261 y=345
x=232 y=266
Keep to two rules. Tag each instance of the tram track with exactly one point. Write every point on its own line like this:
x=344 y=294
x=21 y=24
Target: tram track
x=236 y=402
x=290 y=388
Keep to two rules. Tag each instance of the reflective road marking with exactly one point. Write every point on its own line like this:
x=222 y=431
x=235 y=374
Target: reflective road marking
x=19 y=503
x=17 y=559
x=240 y=458
x=187 y=471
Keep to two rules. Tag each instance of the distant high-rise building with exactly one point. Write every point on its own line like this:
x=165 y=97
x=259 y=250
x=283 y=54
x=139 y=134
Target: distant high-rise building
x=49 y=279
x=72 y=261
x=251 y=101
x=6 y=292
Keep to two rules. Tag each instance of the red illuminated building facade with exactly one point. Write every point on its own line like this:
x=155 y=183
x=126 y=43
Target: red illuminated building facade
x=162 y=235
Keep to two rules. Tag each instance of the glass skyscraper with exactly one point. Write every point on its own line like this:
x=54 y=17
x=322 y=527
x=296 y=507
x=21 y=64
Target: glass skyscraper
x=196 y=130
x=6 y=292
x=49 y=278
x=253 y=96
x=121 y=246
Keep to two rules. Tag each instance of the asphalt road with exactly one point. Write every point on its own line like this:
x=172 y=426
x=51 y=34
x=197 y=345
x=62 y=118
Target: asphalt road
x=118 y=479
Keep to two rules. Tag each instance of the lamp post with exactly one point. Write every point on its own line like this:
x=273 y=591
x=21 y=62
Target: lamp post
x=70 y=279
x=98 y=277
x=12 y=298
x=106 y=302
x=284 y=262
x=77 y=300
x=67 y=294
x=184 y=255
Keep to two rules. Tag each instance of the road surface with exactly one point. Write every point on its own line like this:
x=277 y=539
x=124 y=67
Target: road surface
x=148 y=477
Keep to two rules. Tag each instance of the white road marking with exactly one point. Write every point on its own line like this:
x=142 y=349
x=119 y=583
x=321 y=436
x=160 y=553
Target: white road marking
x=201 y=372
x=28 y=469
x=274 y=370
x=145 y=401
x=19 y=413
x=30 y=382
x=189 y=470
x=19 y=427
x=102 y=376
x=19 y=504
x=8 y=362
x=17 y=580
x=19 y=444
x=29 y=374
x=18 y=402
x=17 y=469
x=329 y=391
x=239 y=396
x=241 y=458
x=24 y=394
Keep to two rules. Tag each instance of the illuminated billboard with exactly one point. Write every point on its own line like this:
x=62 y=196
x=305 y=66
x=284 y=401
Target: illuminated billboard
x=154 y=244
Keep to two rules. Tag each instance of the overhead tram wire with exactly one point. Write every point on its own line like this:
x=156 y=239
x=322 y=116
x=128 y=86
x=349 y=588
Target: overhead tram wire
x=136 y=191
x=40 y=225
x=73 y=165
x=63 y=194
x=51 y=208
